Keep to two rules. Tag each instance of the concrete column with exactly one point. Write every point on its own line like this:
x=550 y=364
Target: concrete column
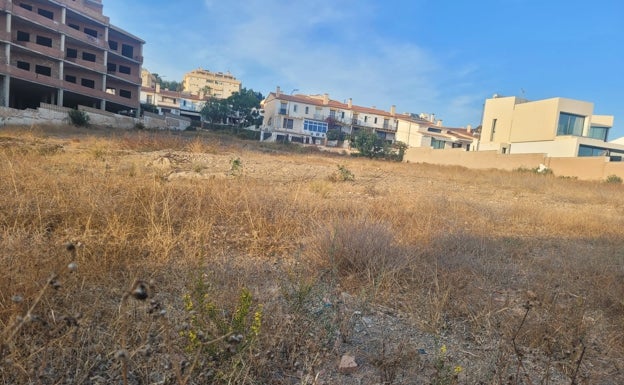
x=59 y=97
x=103 y=104
x=63 y=43
x=63 y=15
x=5 y=91
x=8 y=26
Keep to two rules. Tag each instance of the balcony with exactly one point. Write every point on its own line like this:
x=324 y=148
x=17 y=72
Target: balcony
x=33 y=17
x=30 y=76
x=136 y=80
x=101 y=68
x=40 y=49
x=82 y=37
x=81 y=10
x=79 y=89
x=134 y=102
x=5 y=36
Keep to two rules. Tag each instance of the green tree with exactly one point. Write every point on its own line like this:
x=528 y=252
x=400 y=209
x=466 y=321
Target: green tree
x=245 y=105
x=368 y=143
x=215 y=110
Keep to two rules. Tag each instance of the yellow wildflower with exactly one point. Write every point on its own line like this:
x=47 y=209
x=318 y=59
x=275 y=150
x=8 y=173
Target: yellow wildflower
x=458 y=369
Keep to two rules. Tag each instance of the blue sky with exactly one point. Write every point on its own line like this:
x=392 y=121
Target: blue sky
x=436 y=56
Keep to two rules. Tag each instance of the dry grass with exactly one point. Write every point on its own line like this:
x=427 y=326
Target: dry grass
x=524 y=273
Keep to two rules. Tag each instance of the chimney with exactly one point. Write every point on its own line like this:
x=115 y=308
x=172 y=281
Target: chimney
x=325 y=99
x=393 y=110
x=432 y=118
x=157 y=88
x=350 y=103
x=469 y=128
x=439 y=123
x=278 y=91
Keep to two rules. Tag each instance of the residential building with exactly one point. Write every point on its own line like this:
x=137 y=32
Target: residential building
x=173 y=102
x=557 y=127
x=148 y=79
x=424 y=131
x=307 y=118
x=203 y=83
x=66 y=53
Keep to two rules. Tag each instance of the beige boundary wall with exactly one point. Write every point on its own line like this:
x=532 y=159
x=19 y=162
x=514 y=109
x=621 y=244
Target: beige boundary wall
x=57 y=115
x=590 y=168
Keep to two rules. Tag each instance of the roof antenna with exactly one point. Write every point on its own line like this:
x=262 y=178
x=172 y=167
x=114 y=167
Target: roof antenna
x=522 y=93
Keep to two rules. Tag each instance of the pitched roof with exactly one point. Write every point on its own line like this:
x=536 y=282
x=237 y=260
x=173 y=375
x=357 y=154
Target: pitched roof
x=317 y=100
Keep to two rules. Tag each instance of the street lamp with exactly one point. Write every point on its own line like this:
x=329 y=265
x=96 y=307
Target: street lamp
x=294 y=89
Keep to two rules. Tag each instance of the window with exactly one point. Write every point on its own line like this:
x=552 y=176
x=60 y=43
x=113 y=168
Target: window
x=87 y=83
x=332 y=114
x=42 y=40
x=127 y=50
x=294 y=108
x=87 y=56
x=375 y=120
x=307 y=110
x=365 y=119
x=125 y=94
x=26 y=6
x=70 y=78
x=46 y=13
x=386 y=123
x=74 y=26
x=433 y=129
x=342 y=114
x=315 y=126
x=71 y=53
x=111 y=90
x=493 y=130
x=124 y=70
x=113 y=45
x=592 y=151
x=23 y=36
x=437 y=144
x=43 y=70
x=288 y=123
x=90 y=32
x=598 y=132
x=23 y=65
x=570 y=124
x=111 y=67
x=283 y=107
x=150 y=99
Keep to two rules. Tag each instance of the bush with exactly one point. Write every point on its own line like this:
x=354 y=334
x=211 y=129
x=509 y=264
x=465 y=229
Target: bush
x=614 y=179
x=78 y=118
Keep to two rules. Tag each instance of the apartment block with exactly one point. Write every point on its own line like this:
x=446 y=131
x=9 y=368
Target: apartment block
x=557 y=127
x=67 y=53
x=204 y=83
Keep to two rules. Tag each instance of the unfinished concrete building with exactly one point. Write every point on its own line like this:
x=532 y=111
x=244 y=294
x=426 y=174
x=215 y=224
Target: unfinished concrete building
x=66 y=53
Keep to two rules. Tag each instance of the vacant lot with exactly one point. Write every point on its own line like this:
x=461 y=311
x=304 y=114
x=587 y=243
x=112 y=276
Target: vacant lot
x=154 y=258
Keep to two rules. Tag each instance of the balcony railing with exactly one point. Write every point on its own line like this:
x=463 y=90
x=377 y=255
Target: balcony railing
x=82 y=90
x=41 y=49
x=98 y=67
x=30 y=76
x=134 y=79
x=135 y=58
x=34 y=17
x=82 y=37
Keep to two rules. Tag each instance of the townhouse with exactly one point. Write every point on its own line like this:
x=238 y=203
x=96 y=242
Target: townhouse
x=308 y=118
x=173 y=102
x=67 y=53
x=424 y=131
